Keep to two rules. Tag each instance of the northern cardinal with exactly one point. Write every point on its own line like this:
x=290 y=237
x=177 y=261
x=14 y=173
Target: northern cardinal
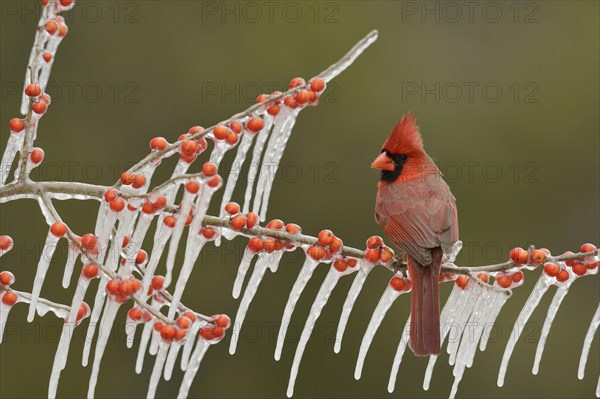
x=418 y=213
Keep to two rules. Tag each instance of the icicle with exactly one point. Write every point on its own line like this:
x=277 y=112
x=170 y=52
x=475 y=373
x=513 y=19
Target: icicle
x=72 y=255
x=159 y=362
x=399 y=355
x=598 y=388
x=357 y=285
x=189 y=343
x=218 y=152
x=171 y=358
x=4 y=311
x=325 y=291
x=15 y=141
x=42 y=269
x=266 y=172
x=107 y=227
x=179 y=170
x=462 y=316
x=587 y=343
x=532 y=302
x=257 y=274
x=470 y=339
x=102 y=211
x=126 y=220
x=130 y=328
x=501 y=298
x=303 y=277
x=457 y=296
x=139 y=364
x=385 y=303
x=186 y=206
x=194 y=364
x=192 y=250
x=242 y=270
x=161 y=236
x=108 y=318
x=559 y=295
x=62 y=351
x=255 y=163
x=281 y=144
x=95 y=316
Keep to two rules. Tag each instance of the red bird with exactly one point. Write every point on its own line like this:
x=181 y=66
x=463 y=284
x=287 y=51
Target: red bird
x=418 y=213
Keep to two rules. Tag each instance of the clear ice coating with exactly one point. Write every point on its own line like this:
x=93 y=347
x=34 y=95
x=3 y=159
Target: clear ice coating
x=192 y=368
x=559 y=295
x=323 y=295
x=265 y=261
x=189 y=343
x=72 y=255
x=399 y=355
x=257 y=151
x=161 y=236
x=62 y=351
x=242 y=270
x=108 y=318
x=171 y=359
x=42 y=269
x=304 y=276
x=357 y=285
x=159 y=363
x=282 y=127
x=532 y=302
x=236 y=168
x=385 y=303
x=15 y=141
x=587 y=343
x=186 y=206
x=192 y=251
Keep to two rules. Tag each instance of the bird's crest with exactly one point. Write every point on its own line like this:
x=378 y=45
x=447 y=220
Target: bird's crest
x=405 y=137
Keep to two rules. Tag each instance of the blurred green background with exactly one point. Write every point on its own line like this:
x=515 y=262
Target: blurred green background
x=507 y=96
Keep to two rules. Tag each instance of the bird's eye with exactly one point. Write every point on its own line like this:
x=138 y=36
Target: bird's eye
x=403 y=157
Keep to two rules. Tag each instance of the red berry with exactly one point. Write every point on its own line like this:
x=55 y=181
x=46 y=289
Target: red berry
x=352 y=262
x=63 y=30
x=160 y=202
x=562 y=275
x=9 y=298
x=397 y=283
x=579 y=269
x=386 y=255
x=551 y=269
x=462 y=281
x=192 y=187
x=231 y=138
x=296 y=82
x=194 y=130
x=238 y=223
x=33 y=90
x=220 y=132
x=16 y=125
x=112 y=287
x=325 y=237
x=89 y=241
x=317 y=84
x=372 y=255
x=537 y=257
x=290 y=102
x=340 y=264
x=269 y=245
x=58 y=229
x=36 y=156
x=157 y=282
x=90 y=271
x=232 y=208
x=517 y=276
x=518 y=255
x=190 y=315
x=255 y=124
x=127 y=178
x=209 y=169
x=274 y=109
x=484 y=277
x=47 y=56
x=208 y=232
x=255 y=244
x=135 y=314
x=141 y=257
x=374 y=242
x=251 y=219
x=189 y=148
x=504 y=281
x=6 y=278
x=316 y=252
x=158 y=143
x=6 y=243
x=293 y=228
x=588 y=248
x=147 y=208
x=83 y=311
x=51 y=27
x=302 y=96
x=236 y=127
x=110 y=194
x=125 y=289
x=117 y=205
x=167 y=333
x=40 y=107
x=222 y=320
x=275 y=224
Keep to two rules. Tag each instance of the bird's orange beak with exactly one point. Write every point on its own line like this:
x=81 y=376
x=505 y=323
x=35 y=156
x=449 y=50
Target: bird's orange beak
x=384 y=162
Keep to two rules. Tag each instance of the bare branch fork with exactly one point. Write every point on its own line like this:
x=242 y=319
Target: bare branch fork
x=128 y=208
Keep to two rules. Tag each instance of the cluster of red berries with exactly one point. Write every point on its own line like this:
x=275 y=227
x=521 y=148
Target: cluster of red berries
x=9 y=298
x=150 y=207
x=307 y=96
x=580 y=267
x=139 y=315
x=270 y=244
x=172 y=332
x=133 y=180
x=238 y=220
x=6 y=244
x=41 y=101
x=214 y=333
x=56 y=26
x=327 y=246
x=377 y=252
x=191 y=148
x=156 y=284
x=401 y=284
x=122 y=290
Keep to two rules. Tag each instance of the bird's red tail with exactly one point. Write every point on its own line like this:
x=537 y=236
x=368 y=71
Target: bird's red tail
x=425 y=308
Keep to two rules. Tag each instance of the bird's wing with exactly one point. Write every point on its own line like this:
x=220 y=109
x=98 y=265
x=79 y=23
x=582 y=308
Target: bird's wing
x=418 y=215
